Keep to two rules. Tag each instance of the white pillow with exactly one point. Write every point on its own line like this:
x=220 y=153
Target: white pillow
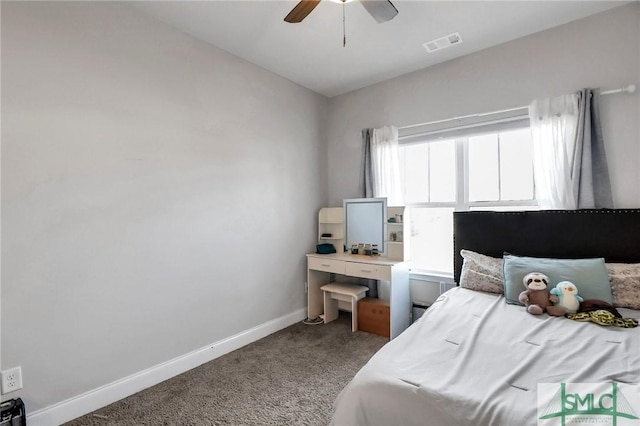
x=481 y=273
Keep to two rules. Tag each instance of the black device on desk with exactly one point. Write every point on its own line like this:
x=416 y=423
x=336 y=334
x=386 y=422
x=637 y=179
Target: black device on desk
x=325 y=248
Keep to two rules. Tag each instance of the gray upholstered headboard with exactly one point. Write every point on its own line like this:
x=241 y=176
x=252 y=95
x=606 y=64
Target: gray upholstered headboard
x=610 y=233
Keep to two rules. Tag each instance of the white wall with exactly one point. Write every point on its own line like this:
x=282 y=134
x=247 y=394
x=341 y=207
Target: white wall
x=599 y=51
x=637 y=12
x=158 y=194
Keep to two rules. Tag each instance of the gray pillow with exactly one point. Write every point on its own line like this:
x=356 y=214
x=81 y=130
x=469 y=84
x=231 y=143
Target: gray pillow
x=625 y=284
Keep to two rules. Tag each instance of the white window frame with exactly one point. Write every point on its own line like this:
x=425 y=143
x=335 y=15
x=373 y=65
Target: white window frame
x=460 y=134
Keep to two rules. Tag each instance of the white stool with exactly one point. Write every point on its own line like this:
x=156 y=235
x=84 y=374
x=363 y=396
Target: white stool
x=346 y=292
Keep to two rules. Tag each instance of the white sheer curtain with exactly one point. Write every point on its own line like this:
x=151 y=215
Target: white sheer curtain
x=554 y=126
x=385 y=165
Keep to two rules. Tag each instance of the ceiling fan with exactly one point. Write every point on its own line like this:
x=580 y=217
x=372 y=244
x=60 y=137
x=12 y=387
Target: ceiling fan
x=381 y=10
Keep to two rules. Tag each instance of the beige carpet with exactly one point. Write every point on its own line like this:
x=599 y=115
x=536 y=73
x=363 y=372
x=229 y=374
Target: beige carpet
x=288 y=378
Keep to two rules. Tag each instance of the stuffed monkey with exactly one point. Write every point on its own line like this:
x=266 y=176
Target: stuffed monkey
x=536 y=297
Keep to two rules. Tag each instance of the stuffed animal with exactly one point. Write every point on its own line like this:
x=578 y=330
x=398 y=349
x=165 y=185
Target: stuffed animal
x=566 y=297
x=602 y=313
x=536 y=296
x=590 y=305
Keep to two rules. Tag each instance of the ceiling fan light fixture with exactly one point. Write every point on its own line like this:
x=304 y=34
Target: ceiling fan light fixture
x=380 y=10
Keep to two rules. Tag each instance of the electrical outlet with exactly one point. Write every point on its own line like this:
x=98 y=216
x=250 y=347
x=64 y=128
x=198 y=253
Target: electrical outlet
x=11 y=380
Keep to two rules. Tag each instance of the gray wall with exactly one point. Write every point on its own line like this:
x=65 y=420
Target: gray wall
x=158 y=194
x=599 y=51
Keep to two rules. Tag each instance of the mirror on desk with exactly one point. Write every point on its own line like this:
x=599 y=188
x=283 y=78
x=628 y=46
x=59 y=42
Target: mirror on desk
x=365 y=221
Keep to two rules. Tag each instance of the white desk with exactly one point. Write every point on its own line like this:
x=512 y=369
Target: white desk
x=321 y=266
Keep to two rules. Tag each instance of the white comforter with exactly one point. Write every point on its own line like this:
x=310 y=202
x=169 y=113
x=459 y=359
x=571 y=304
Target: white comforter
x=472 y=359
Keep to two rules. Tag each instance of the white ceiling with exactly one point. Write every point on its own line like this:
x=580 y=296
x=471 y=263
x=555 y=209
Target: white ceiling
x=311 y=53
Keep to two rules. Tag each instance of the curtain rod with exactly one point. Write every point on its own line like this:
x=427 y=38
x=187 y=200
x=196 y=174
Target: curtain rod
x=628 y=89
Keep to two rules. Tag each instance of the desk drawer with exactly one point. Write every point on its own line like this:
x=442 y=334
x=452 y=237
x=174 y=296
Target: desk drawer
x=326 y=265
x=368 y=270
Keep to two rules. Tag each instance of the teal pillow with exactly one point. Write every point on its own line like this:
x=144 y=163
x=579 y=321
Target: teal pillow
x=589 y=275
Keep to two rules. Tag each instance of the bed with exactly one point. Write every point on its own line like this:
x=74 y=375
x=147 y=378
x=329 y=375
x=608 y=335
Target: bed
x=474 y=359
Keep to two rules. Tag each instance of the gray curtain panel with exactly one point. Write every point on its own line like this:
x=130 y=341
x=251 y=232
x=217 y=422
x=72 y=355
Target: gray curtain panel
x=367 y=192
x=367 y=188
x=590 y=172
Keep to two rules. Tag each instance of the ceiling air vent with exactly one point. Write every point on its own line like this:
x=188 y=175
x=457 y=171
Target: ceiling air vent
x=442 y=42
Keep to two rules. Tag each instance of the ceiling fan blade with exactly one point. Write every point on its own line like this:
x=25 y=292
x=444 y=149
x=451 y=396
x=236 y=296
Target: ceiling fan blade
x=301 y=11
x=381 y=10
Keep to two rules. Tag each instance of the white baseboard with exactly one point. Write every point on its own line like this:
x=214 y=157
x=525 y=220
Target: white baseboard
x=87 y=402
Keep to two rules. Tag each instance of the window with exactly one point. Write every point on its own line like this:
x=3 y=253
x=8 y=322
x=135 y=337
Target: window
x=485 y=170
